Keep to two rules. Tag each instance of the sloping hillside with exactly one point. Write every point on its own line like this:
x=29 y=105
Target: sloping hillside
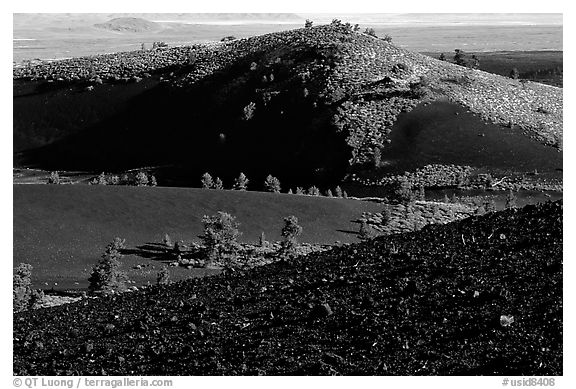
x=62 y=230
x=479 y=297
x=279 y=98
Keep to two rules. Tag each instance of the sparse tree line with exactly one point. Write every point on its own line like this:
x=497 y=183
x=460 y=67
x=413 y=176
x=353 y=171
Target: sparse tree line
x=270 y=184
x=351 y=28
x=140 y=178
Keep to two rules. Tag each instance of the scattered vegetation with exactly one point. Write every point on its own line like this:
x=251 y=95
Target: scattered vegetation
x=54 y=178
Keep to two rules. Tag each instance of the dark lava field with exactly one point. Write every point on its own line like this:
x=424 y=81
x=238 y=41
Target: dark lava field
x=482 y=296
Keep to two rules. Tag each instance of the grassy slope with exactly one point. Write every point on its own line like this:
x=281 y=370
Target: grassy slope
x=62 y=229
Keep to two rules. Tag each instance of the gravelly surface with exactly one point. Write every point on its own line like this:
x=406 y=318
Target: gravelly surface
x=435 y=302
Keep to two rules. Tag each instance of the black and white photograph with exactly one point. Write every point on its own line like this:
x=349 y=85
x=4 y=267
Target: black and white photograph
x=305 y=193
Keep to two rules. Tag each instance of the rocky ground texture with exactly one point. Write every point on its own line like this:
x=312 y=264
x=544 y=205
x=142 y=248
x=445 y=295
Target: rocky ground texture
x=482 y=296
x=367 y=80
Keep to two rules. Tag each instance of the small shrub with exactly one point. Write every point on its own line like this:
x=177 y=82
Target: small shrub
x=511 y=200
x=366 y=232
x=460 y=57
x=167 y=241
x=163 y=276
x=218 y=184
x=272 y=184
x=248 y=111
x=299 y=190
x=514 y=74
x=403 y=191
x=207 y=182
x=308 y=23
x=442 y=57
x=54 y=178
x=370 y=31
x=387 y=38
x=329 y=193
x=228 y=38
x=386 y=215
x=241 y=183
x=290 y=232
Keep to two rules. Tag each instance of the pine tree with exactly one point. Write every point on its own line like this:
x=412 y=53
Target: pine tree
x=290 y=232
x=218 y=184
x=338 y=191
x=510 y=200
x=142 y=179
x=241 y=183
x=106 y=275
x=272 y=184
x=153 y=180
x=313 y=191
x=220 y=234
x=207 y=182
x=54 y=178
x=21 y=287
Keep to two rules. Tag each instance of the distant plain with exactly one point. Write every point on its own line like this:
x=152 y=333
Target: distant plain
x=32 y=42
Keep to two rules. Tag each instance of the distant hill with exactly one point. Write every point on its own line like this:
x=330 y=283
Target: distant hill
x=128 y=25
x=309 y=105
